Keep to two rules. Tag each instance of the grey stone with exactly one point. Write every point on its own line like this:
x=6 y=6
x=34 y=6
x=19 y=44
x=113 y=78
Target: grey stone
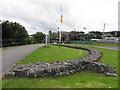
x=111 y=74
x=28 y=65
x=31 y=73
x=9 y=74
x=19 y=66
x=38 y=71
x=109 y=69
x=21 y=72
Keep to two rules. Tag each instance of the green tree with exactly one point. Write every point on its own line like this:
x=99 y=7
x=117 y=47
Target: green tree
x=95 y=35
x=39 y=37
x=13 y=33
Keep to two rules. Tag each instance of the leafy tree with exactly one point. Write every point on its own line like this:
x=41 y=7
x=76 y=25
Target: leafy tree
x=115 y=33
x=39 y=37
x=13 y=33
x=95 y=34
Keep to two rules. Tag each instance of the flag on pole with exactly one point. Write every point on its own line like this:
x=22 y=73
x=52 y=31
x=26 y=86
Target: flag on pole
x=61 y=19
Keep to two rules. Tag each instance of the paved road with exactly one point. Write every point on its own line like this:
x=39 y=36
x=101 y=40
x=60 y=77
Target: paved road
x=113 y=48
x=106 y=47
x=12 y=55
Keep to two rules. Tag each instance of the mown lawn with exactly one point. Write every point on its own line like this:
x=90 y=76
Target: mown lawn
x=84 y=79
x=110 y=57
x=52 y=54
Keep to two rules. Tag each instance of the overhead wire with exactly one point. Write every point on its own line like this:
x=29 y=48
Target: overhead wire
x=49 y=14
x=61 y=13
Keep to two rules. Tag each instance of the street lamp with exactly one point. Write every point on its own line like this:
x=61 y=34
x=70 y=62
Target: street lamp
x=59 y=36
x=84 y=31
x=46 y=40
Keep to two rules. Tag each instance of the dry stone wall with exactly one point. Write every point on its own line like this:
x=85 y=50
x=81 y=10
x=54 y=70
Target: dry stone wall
x=60 y=68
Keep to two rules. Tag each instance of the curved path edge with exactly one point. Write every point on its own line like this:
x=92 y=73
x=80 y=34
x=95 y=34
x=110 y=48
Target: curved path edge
x=60 y=68
x=11 y=56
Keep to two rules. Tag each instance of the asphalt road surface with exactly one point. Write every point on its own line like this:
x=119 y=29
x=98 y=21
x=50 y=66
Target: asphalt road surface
x=106 y=47
x=12 y=55
x=113 y=48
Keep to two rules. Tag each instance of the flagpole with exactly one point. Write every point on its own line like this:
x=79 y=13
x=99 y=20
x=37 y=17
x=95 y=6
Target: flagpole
x=61 y=20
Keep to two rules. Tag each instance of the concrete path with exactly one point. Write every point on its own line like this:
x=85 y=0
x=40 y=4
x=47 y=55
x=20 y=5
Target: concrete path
x=12 y=55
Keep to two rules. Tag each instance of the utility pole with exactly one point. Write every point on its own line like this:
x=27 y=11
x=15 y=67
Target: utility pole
x=48 y=39
x=84 y=31
x=104 y=29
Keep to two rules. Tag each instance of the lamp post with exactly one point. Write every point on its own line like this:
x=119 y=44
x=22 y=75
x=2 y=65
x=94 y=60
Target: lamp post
x=84 y=31
x=59 y=36
x=104 y=29
x=46 y=40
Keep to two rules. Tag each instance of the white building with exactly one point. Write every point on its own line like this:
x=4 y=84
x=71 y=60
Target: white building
x=111 y=39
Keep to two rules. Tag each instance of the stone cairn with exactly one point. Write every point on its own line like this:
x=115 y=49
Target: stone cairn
x=60 y=68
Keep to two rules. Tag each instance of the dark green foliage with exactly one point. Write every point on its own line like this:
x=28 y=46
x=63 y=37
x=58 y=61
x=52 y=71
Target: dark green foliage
x=95 y=35
x=13 y=34
x=39 y=37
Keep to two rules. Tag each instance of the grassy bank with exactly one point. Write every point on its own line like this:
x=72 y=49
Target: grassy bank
x=84 y=79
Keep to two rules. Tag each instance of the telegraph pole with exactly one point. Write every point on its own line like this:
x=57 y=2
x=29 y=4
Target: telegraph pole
x=84 y=31
x=103 y=29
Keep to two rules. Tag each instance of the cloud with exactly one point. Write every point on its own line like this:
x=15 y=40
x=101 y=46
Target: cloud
x=33 y=14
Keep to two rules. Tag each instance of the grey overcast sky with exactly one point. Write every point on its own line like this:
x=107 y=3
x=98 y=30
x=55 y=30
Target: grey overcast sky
x=33 y=14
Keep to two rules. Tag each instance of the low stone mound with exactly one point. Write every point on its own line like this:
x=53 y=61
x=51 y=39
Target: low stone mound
x=60 y=68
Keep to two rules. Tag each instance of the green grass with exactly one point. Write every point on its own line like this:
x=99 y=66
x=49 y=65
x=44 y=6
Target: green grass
x=0 y=82
x=110 y=57
x=52 y=54
x=84 y=79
